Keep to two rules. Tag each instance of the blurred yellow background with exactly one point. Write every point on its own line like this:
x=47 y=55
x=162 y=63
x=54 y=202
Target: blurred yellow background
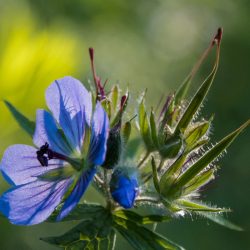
x=141 y=44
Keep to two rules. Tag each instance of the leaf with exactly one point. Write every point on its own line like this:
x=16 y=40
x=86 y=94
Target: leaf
x=114 y=97
x=145 y=219
x=195 y=206
x=195 y=102
x=81 y=212
x=145 y=126
x=120 y=112
x=107 y=107
x=155 y=175
x=126 y=132
x=199 y=181
x=153 y=129
x=200 y=95
x=175 y=168
x=197 y=145
x=23 y=121
x=209 y=157
x=196 y=133
x=89 y=234
x=182 y=90
x=219 y=219
x=142 y=238
x=171 y=147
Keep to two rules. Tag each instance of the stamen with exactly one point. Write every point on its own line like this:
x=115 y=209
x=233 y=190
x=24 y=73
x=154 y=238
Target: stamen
x=44 y=154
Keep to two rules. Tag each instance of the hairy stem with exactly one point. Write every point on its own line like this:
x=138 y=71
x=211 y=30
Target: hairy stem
x=140 y=164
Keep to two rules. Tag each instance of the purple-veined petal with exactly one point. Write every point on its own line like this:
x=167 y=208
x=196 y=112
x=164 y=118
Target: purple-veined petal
x=47 y=131
x=78 y=191
x=71 y=105
x=99 y=136
x=34 y=202
x=19 y=164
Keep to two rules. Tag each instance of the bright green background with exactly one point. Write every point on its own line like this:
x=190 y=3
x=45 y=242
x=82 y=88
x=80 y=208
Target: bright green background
x=143 y=44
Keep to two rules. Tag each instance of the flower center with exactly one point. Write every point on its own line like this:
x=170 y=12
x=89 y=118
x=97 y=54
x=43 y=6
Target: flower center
x=44 y=154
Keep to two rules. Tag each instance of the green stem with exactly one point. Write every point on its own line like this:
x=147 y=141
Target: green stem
x=114 y=242
x=140 y=164
x=159 y=168
x=106 y=186
x=147 y=199
x=154 y=227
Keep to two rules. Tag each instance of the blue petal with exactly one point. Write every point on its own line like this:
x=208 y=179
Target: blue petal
x=34 y=202
x=124 y=190
x=71 y=105
x=77 y=193
x=99 y=136
x=19 y=165
x=47 y=131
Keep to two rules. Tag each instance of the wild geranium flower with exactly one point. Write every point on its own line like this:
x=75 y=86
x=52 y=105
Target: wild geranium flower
x=71 y=143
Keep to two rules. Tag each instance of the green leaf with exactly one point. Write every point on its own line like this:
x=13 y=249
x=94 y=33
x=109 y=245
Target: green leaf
x=219 y=219
x=142 y=238
x=23 y=121
x=126 y=132
x=199 y=181
x=107 y=107
x=175 y=168
x=114 y=97
x=209 y=157
x=171 y=147
x=80 y=212
x=196 y=134
x=197 y=145
x=182 y=90
x=198 y=206
x=145 y=126
x=120 y=112
x=145 y=219
x=89 y=234
x=200 y=95
x=153 y=129
x=155 y=175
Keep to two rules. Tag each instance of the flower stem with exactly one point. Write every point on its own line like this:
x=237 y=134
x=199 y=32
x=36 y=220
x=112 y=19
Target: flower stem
x=106 y=186
x=154 y=227
x=140 y=164
x=158 y=170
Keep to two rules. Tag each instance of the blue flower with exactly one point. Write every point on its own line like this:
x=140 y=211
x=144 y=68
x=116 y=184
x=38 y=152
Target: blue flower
x=124 y=186
x=71 y=143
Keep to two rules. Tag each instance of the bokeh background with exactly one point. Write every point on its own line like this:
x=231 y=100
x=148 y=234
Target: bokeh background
x=144 y=44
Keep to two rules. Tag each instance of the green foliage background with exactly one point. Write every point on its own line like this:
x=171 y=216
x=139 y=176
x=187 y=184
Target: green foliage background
x=143 y=44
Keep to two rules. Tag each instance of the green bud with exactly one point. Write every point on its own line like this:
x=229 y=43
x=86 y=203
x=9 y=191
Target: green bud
x=126 y=131
x=171 y=148
x=144 y=125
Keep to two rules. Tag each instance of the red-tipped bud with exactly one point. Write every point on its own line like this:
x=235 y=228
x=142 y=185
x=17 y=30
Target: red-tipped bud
x=218 y=37
x=91 y=54
x=124 y=100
